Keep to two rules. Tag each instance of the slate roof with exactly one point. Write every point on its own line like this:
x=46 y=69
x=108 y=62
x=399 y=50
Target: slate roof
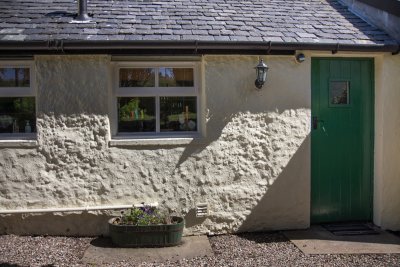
x=287 y=21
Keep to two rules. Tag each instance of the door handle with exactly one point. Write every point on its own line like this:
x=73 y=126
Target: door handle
x=315 y=121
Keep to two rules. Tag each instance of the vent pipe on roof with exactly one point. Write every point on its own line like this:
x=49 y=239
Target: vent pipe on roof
x=82 y=11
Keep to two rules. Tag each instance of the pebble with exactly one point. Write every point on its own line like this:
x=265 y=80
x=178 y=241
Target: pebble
x=242 y=250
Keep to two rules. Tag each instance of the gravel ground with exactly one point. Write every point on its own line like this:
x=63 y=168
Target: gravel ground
x=253 y=249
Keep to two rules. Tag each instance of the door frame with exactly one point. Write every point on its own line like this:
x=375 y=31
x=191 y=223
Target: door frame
x=372 y=123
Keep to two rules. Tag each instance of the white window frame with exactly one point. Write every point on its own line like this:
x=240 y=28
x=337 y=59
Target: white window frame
x=19 y=92
x=158 y=92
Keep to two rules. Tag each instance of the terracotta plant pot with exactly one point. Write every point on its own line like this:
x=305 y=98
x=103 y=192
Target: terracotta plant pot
x=147 y=235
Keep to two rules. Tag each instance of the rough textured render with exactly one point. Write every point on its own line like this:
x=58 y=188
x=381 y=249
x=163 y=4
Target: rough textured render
x=252 y=167
x=312 y=21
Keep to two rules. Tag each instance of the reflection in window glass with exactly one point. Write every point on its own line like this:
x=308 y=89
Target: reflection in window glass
x=339 y=92
x=14 y=77
x=178 y=114
x=17 y=115
x=137 y=77
x=175 y=77
x=136 y=114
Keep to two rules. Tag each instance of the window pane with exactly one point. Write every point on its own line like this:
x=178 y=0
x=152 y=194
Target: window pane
x=339 y=92
x=178 y=114
x=14 y=77
x=136 y=114
x=17 y=115
x=176 y=77
x=137 y=77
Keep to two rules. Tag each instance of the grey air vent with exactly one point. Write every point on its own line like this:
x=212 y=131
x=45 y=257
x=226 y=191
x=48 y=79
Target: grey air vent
x=201 y=210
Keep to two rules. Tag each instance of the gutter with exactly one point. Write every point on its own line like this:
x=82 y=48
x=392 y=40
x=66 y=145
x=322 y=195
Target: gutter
x=93 y=208
x=181 y=47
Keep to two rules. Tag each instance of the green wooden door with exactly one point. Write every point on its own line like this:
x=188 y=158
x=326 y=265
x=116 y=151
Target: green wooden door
x=342 y=139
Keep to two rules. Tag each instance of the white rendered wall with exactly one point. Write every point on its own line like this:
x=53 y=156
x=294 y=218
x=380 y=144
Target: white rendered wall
x=252 y=167
x=387 y=142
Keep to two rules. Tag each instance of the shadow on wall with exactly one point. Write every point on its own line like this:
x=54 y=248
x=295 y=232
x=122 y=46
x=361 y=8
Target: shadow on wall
x=75 y=85
x=229 y=95
x=284 y=204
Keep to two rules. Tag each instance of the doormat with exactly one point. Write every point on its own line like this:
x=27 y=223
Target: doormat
x=346 y=229
x=318 y=240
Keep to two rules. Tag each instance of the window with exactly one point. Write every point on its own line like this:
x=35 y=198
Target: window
x=17 y=100
x=157 y=99
x=339 y=93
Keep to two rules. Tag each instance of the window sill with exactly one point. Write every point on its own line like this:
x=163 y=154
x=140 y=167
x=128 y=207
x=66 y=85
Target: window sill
x=173 y=141
x=20 y=140
x=18 y=143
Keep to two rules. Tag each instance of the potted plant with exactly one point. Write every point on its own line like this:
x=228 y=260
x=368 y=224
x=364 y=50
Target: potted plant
x=146 y=226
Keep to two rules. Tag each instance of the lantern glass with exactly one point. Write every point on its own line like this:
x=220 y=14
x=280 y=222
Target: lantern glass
x=261 y=74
